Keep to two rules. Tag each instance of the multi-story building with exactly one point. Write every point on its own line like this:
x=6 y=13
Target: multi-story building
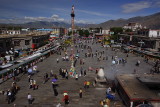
x=133 y=26
x=5 y=44
x=44 y=30
x=149 y=33
x=39 y=40
x=154 y=33
x=58 y=32
x=22 y=42
x=11 y=32
x=105 y=32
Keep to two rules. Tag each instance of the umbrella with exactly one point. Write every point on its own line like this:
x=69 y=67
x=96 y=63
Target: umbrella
x=35 y=68
x=113 y=62
x=54 y=80
x=30 y=70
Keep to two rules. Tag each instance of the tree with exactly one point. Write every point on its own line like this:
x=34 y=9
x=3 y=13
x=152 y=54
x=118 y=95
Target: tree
x=116 y=30
x=86 y=33
x=81 y=33
x=128 y=30
x=69 y=33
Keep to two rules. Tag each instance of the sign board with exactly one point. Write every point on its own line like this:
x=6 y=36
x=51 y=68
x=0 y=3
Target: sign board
x=112 y=33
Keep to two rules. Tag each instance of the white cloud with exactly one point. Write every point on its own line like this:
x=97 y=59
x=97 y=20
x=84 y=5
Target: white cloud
x=133 y=7
x=55 y=16
x=35 y=18
x=49 y=19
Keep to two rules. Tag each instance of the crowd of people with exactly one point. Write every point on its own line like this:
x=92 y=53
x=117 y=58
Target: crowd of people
x=82 y=51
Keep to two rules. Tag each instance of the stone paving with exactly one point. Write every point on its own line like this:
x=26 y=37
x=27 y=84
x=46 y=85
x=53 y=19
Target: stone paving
x=44 y=96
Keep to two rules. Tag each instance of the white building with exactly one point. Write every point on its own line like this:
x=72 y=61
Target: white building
x=25 y=29
x=133 y=26
x=105 y=32
x=13 y=32
x=154 y=33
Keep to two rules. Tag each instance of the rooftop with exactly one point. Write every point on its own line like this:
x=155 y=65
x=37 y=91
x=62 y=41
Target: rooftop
x=135 y=89
x=24 y=35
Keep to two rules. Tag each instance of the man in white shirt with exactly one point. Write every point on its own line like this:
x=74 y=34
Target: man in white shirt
x=29 y=97
x=9 y=94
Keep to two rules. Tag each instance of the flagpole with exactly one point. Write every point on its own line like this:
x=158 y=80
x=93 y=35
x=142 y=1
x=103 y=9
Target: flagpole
x=72 y=44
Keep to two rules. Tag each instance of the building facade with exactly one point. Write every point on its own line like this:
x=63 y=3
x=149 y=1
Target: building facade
x=5 y=45
x=149 y=33
x=11 y=32
x=22 y=42
x=40 y=40
x=133 y=26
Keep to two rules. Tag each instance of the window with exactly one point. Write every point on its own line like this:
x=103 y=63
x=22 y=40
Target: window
x=16 y=43
x=1 y=45
x=8 y=44
x=26 y=42
x=158 y=34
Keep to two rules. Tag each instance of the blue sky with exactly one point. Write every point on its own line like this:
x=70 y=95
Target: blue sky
x=86 y=11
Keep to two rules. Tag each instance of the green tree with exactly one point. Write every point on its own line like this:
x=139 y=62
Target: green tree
x=116 y=30
x=69 y=33
x=86 y=33
x=128 y=30
x=81 y=33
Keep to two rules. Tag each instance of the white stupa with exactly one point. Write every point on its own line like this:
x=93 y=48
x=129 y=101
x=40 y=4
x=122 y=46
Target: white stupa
x=100 y=74
x=100 y=80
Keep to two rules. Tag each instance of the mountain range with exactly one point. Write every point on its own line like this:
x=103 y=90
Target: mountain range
x=40 y=24
x=151 y=21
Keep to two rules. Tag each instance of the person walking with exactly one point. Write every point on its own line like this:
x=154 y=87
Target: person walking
x=76 y=76
x=85 y=84
x=57 y=60
x=34 y=84
x=66 y=75
x=88 y=83
x=9 y=96
x=80 y=93
x=29 y=97
x=81 y=71
x=85 y=73
x=29 y=78
x=66 y=98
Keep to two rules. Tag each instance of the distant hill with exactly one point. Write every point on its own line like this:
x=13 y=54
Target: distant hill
x=43 y=24
x=151 y=21
x=40 y=24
